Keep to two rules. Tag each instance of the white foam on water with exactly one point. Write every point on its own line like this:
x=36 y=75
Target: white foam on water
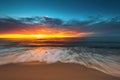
x=109 y=64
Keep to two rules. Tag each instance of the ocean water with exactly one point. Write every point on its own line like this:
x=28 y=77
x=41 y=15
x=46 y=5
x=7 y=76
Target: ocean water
x=101 y=57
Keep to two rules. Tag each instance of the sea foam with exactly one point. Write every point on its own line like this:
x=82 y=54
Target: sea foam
x=101 y=59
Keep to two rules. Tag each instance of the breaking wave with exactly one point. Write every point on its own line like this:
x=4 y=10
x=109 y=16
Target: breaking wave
x=105 y=60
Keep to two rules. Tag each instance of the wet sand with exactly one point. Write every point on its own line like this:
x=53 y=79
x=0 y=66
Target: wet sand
x=56 y=71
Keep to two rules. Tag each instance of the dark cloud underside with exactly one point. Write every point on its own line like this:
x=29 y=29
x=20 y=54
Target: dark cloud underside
x=108 y=27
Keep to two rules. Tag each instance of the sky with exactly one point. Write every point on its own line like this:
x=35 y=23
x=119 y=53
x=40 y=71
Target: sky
x=65 y=9
x=101 y=17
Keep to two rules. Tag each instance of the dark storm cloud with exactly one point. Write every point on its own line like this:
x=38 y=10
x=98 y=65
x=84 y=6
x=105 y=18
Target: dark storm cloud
x=109 y=27
x=41 y=20
x=9 y=20
x=8 y=23
x=93 y=24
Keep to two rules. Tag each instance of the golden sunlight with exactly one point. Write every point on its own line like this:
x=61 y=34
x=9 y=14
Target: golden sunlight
x=40 y=36
x=43 y=32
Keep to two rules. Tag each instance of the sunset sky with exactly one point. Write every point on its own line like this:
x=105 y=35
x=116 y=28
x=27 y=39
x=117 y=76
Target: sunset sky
x=67 y=18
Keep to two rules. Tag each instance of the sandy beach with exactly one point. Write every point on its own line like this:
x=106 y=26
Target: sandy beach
x=55 y=71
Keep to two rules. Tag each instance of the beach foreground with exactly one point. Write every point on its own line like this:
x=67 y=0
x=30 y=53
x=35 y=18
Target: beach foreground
x=55 y=71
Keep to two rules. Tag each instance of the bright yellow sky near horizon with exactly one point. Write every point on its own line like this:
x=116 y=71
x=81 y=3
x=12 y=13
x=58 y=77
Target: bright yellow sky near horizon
x=40 y=36
x=39 y=32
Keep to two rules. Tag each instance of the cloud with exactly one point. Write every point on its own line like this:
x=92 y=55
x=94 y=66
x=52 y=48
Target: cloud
x=97 y=25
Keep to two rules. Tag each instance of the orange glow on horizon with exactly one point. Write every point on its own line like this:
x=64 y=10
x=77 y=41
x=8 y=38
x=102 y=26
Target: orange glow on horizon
x=40 y=36
x=39 y=32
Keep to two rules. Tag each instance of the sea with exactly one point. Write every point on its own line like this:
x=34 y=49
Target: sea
x=102 y=54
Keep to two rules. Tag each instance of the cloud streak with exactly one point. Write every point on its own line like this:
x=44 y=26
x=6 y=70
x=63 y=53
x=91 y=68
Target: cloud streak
x=96 y=25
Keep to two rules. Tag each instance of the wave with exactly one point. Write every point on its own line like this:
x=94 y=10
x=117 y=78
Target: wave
x=105 y=60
